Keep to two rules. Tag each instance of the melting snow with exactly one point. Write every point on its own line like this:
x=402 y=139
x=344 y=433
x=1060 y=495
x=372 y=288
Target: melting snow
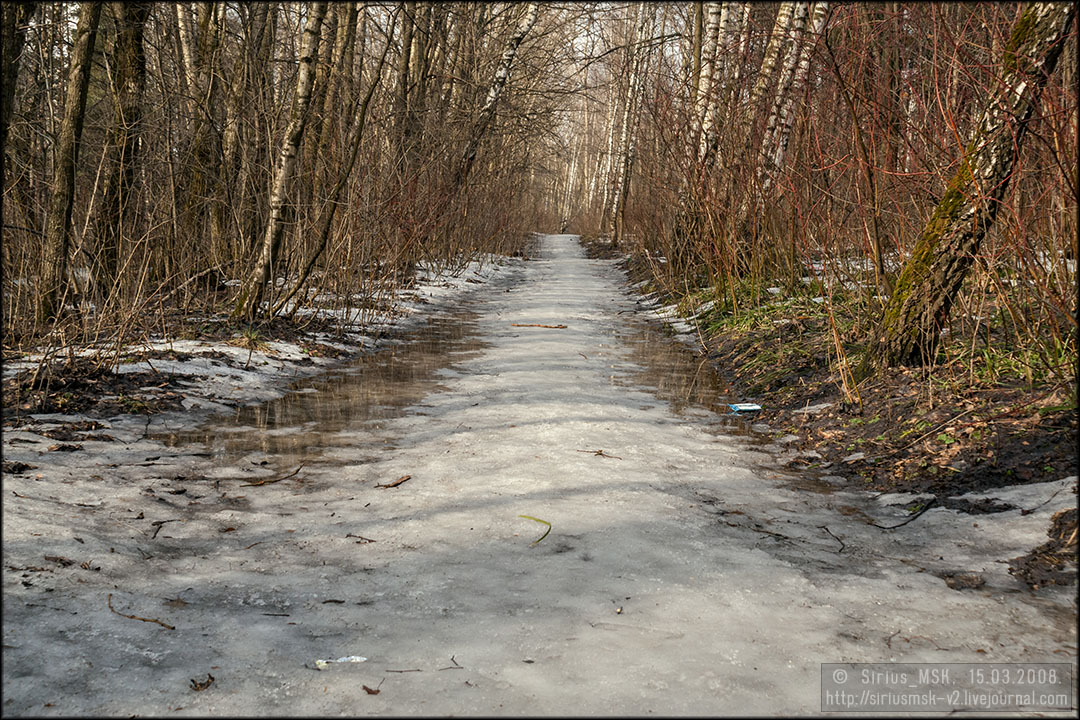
x=684 y=573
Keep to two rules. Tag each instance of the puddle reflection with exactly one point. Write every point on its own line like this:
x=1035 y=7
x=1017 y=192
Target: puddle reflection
x=349 y=407
x=675 y=374
x=316 y=411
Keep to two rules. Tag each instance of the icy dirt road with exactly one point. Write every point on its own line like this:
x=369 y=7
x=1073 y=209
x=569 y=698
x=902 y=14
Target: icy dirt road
x=680 y=575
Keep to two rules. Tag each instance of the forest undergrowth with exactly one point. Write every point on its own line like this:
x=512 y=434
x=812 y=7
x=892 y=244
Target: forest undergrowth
x=989 y=415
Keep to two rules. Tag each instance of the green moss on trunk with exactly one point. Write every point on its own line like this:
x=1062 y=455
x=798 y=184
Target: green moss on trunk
x=919 y=307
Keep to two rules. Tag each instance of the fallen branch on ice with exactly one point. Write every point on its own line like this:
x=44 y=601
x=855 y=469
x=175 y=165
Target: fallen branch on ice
x=108 y=601
x=397 y=482
x=601 y=453
x=273 y=480
x=927 y=506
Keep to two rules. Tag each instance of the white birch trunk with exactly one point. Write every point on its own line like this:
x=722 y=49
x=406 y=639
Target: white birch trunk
x=619 y=158
x=634 y=90
x=252 y=293
x=498 y=82
x=571 y=182
x=714 y=11
x=717 y=80
x=187 y=46
x=786 y=114
x=728 y=17
x=768 y=66
x=783 y=88
x=609 y=153
x=740 y=50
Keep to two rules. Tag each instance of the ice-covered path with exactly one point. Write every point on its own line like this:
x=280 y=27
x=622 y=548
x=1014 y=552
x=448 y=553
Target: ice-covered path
x=680 y=575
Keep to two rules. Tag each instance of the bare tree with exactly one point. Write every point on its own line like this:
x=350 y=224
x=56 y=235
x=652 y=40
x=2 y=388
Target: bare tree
x=58 y=221
x=779 y=34
x=14 y=17
x=778 y=128
x=919 y=307
x=495 y=89
x=344 y=172
x=251 y=295
x=627 y=136
x=128 y=78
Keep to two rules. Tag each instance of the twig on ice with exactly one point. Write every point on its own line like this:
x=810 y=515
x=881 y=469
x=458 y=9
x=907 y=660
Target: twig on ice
x=397 y=482
x=273 y=480
x=601 y=453
x=933 y=501
x=826 y=529
x=108 y=601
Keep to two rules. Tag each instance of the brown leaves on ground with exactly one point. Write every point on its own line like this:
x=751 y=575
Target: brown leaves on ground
x=84 y=386
x=916 y=437
x=17 y=468
x=1053 y=562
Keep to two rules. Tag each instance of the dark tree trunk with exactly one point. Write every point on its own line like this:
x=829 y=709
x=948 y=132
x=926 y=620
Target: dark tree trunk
x=128 y=70
x=401 y=110
x=58 y=220
x=13 y=20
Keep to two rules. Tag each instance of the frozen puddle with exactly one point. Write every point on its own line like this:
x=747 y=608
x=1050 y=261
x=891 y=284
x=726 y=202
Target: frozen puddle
x=680 y=574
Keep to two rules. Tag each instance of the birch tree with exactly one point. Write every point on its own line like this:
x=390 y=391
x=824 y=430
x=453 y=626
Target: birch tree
x=344 y=172
x=713 y=12
x=616 y=94
x=740 y=49
x=253 y=288
x=694 y=61
x=764 y=78
x=495 y=89
x=788 y=37
x=912 y=320
x=713 y=79
x=635 y=90
x=778 y=128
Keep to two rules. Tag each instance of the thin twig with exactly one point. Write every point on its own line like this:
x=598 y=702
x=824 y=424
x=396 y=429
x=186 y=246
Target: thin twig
x=931 y=432
x=108 y=601
x=455 y=666
x=157 y=526
x=933 y=501
x=273 y=480
x=553 y=327
x=601 y=453
x=190 y=280
x=826 y=529
x=1031 y=510
x=394 y=484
